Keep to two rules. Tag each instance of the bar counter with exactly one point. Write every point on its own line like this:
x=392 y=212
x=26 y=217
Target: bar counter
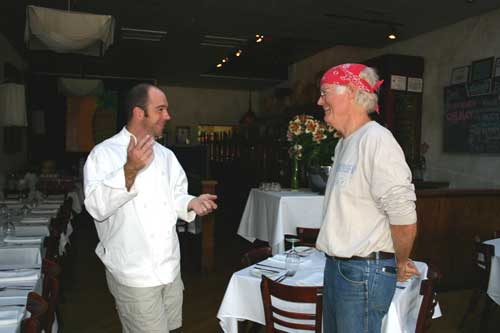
x=448 y=219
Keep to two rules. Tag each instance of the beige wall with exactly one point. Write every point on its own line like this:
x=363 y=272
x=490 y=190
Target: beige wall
x=443 y=49
x=193 y=106
x=18 y=160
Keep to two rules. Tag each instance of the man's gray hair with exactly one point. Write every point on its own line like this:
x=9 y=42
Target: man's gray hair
x=364 y=98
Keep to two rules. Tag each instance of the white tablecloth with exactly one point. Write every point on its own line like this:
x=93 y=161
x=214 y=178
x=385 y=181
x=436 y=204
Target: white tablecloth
x=23 y=254
x=268 y=216
x=494 y=283
x=29 y=256
x=243 y=300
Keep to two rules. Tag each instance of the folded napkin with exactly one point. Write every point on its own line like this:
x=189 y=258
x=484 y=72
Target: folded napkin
x=14 y=205
x=11 y=315
x=313 y=279
x=48 y=206
x=53 y=201
x=44 y=211
x=33 y=219
x=9 y=201
x=19 y=275
x=27 y=239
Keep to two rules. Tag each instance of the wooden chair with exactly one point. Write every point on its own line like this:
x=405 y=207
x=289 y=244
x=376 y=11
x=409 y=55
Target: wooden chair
x=313 y=295
x=307 y=236
x=51 y=289
x=255 y=255
x=429 y=301
x=482 y=266
x=38 y=309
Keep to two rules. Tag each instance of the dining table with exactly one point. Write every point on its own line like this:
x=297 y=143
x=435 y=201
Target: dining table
x=270 y=215
x=243 y=301
x=21 y=256
x=493 y=290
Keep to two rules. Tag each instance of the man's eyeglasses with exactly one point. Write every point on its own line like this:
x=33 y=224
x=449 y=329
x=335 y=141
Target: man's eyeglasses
x=323 y=92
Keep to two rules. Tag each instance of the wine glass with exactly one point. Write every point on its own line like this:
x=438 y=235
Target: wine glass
x=8 y=227
x=292 y=259
x=293 y=241
x=3 y=209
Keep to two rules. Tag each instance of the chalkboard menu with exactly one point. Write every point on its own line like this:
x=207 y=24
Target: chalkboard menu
x=471 y=123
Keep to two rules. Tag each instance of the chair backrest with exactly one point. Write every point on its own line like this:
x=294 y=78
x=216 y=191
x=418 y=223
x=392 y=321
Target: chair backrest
x=30 y=325
x=38 y=309
x=255 y=255
x=307 y=236
x=51 y=244
x=52 y=272
x=66 y=209
x=429 y=301
x=313 y=295
x=482 y=262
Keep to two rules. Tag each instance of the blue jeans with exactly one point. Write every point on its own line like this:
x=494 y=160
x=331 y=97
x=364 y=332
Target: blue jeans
x=357 y=294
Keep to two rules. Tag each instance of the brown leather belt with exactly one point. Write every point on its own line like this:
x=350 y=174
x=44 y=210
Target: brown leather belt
x=371 y=256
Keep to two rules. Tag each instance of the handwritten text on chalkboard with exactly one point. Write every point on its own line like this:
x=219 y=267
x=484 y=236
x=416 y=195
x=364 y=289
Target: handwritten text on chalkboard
x=471 y=124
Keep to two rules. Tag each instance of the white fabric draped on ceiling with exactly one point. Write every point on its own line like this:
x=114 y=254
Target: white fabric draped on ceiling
x=68 y=32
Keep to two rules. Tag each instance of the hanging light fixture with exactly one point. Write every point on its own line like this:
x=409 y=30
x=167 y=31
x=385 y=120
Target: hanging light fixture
x=249 y=117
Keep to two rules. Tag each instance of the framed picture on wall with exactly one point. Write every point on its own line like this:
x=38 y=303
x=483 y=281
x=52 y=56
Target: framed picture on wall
x=182 y=135
x=459 y=75
x=481 y=69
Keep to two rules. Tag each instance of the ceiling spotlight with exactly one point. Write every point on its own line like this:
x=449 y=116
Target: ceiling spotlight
x=238 y=53
x=219 y=65
x=392 y=34
x=226 y=59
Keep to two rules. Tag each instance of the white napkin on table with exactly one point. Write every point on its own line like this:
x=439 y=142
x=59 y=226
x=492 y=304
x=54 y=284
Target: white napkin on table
x=19 y=275
x=44 y=211
x=35 y=220
x=53 y=201
x=9 y=201
x=11 y=315
x=23 y=240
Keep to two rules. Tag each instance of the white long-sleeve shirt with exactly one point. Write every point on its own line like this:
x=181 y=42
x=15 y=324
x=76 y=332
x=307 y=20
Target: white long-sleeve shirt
x=369 y=188
x=138 y=240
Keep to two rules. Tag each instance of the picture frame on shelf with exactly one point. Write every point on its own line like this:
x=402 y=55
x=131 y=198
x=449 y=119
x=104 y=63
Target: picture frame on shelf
x=459 y=75
x=481 y=69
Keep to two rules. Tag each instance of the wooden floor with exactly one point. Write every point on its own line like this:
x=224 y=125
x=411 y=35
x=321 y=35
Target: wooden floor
x=88 y=307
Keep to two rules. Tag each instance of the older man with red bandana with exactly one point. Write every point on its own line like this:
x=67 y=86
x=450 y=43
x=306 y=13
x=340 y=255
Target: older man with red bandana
x=369 y=218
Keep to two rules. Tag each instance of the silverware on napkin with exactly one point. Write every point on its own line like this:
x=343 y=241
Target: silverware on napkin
x=270 y=266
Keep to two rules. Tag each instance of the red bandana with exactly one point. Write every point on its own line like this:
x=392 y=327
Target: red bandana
x=349 y=73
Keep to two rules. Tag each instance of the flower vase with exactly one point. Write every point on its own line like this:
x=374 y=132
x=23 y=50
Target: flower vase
x=294 y=184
